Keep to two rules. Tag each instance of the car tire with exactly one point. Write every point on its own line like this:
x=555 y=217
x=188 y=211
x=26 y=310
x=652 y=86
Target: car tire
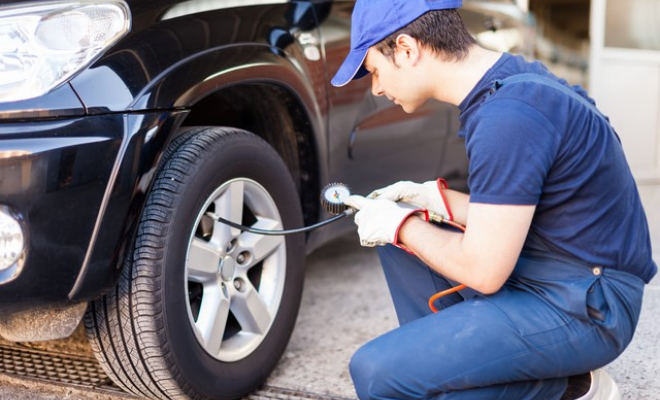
x=203 y=310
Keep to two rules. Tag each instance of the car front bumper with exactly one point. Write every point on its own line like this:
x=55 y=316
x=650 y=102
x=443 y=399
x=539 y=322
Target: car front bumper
x=53 y=175
x=76 y=185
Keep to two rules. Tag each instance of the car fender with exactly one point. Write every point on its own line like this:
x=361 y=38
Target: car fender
x=177 y=89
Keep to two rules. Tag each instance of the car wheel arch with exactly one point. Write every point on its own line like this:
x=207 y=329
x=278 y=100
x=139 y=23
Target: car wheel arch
x=276 y=115
x=274 y=78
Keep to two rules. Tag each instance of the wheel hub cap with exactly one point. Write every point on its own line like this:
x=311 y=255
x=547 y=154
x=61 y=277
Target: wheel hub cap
x=227 y=268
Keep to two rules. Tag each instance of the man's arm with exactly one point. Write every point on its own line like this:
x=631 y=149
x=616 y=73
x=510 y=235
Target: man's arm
x=481 y=258
x=458 y=203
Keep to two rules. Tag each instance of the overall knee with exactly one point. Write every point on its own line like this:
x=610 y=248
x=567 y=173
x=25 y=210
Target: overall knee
x=373 y=374
x=365 y=373
x=359 y=369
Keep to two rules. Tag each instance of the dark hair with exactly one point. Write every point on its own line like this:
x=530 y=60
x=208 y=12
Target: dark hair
x=441 y=31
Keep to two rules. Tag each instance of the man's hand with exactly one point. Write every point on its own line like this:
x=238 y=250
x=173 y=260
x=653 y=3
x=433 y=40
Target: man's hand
x=379 y=220
x=427 y=195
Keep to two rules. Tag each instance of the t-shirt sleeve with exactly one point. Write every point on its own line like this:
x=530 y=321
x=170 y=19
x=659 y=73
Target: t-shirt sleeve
x=511 y=148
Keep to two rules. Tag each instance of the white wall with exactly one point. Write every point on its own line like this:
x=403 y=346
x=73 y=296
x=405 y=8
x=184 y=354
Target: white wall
x=625 y=77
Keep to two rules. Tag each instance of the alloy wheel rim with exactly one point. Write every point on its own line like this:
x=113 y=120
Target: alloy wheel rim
x=235 y=280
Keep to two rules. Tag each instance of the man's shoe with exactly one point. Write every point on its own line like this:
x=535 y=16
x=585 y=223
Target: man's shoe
x=594 y=385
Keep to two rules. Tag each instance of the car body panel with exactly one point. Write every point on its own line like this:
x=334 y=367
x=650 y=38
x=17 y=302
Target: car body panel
x=56 y=183
x=159 y=62
x=123 y=200
x=172 y=84
x=58 y=103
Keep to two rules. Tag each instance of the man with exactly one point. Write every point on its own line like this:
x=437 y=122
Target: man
x=556 y=248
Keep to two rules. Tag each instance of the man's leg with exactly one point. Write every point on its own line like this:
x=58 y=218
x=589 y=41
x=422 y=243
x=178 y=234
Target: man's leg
x=465 y=351
x=412 y=283
x=515 y=344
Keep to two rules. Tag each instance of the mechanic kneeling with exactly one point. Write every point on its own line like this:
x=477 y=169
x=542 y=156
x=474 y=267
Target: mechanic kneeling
x=556 y=249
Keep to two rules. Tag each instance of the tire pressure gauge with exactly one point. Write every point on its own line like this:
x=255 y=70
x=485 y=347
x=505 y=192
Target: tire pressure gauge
x=332 y=199
x=333 y=196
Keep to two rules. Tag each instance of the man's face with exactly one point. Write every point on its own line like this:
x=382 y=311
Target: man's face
x=395 y=81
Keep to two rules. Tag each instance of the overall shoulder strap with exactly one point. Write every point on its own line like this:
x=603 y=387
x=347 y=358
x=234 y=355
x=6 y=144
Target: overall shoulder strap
x=544 y=80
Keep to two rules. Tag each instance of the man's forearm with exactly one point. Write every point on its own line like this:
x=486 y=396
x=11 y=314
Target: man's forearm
x=441 y=249
x=458 y=203
x=484 y=256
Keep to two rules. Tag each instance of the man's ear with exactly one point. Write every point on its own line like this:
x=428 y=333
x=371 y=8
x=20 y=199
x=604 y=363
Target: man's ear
x=408 y=47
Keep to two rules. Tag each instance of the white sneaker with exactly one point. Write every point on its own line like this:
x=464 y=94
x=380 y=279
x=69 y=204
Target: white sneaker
x=602 y=387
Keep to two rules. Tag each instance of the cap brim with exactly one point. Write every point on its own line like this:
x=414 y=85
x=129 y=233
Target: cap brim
x=351 y=68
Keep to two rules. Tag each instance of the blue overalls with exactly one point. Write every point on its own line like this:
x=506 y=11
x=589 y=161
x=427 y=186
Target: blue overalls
x=553 y=318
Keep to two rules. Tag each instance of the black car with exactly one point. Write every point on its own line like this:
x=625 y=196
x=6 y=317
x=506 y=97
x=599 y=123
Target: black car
x=128 y=128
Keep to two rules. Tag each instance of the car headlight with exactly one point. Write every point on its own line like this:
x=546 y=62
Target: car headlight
x=44 y=44
x=12 y=239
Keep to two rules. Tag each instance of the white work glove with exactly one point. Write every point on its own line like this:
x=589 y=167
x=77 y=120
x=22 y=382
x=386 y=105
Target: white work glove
x=379 y=220
x=427 y=195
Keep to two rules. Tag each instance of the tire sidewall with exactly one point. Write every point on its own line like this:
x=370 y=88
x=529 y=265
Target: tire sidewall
x=243 y=156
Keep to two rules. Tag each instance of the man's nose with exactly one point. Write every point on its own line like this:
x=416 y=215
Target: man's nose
x=376 y=90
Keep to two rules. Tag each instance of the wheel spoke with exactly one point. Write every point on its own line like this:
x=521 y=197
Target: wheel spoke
x=213 y=318
x=251 y=311
x=230 y=207
x=262 y=246
x=203 y=260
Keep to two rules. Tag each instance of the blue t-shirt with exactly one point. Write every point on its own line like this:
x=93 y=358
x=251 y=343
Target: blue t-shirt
x=530 y=144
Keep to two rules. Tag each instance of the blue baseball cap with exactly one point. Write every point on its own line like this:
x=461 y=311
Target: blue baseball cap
x=373 y=21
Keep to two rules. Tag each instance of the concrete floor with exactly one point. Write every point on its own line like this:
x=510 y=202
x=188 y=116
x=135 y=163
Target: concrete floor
x=346 y=303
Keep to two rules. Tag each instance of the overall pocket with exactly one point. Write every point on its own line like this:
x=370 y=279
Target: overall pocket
x=614 y=303
x=597 y=308
x=557 y=290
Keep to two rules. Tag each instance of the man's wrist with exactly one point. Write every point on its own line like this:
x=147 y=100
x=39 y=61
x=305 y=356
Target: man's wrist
x=445 y=212
x=408 y=225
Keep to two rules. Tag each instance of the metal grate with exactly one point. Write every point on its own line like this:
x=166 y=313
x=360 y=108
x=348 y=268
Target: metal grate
x=67 y=369
x=85 y=372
